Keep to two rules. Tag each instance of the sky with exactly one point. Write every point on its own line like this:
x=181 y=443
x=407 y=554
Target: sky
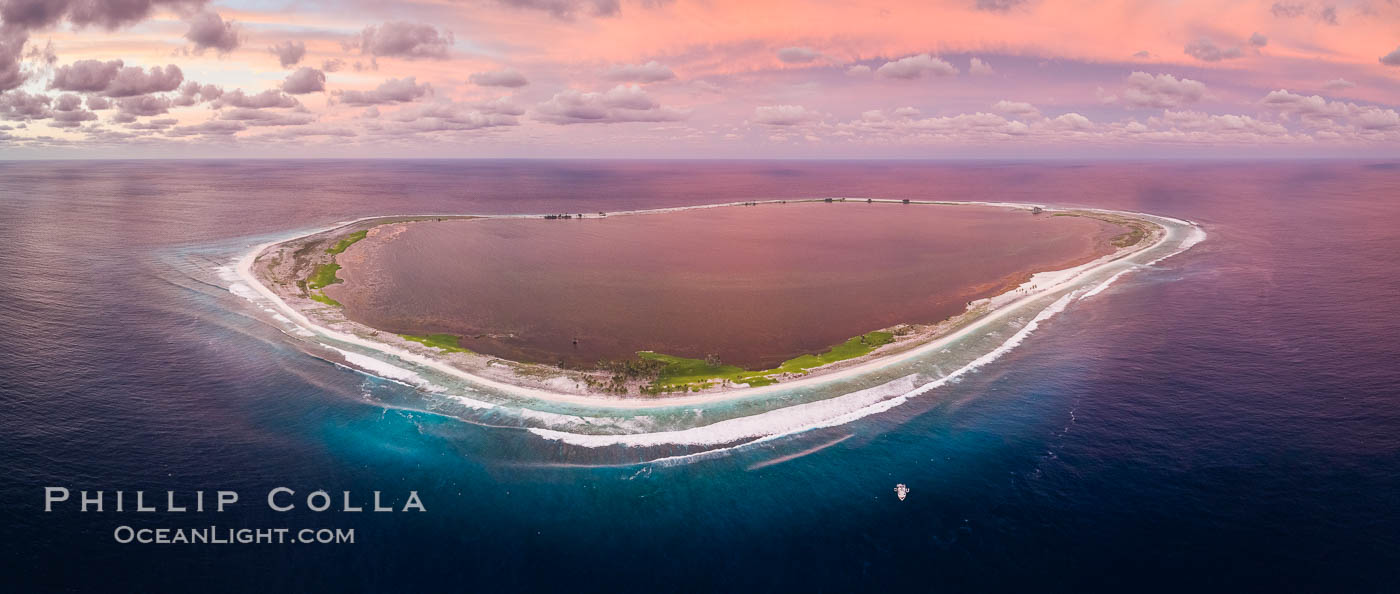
x=699 y=78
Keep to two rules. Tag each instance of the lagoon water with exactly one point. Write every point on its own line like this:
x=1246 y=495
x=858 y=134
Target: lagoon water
x=755 y=285
x=1228 y=419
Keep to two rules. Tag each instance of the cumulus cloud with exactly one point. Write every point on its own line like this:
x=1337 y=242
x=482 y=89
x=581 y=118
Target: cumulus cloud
x=143 y=105
x=113 y=80
x=98 y=103
x=305 y=80
x=1336 y=117
x=858 y=70
x=1018 y=109
x=798 y=55
x=67 y=102
x=1338 y=83
x=132 y=81
x=18 y=17
x=1392 y=58
x=977 y=66
x=1258 y=40
x=784 y=115
x=263 y=100
x=1207 y=51
x=69 y=112
x=400 y=39
x=394 y=90
x=108 y=14
x=623 y=103
x=1161 y=91
x=289 y=53
x=652 y=71
x=22 y=106
x=1316 y=111
x=85 y=76
x=914 y=67
x=192 y=93
x=208 y=30
x=506 y=77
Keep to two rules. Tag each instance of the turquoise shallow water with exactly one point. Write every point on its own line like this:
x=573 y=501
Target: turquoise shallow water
x=1225 y=419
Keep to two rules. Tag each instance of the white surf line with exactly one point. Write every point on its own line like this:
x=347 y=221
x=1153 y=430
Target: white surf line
x=1062 y=279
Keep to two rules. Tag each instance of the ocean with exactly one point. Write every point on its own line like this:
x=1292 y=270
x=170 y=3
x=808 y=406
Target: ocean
x=1226 y=419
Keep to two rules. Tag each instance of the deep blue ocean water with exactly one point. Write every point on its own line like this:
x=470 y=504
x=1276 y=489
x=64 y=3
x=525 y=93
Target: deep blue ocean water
x=1227 y=420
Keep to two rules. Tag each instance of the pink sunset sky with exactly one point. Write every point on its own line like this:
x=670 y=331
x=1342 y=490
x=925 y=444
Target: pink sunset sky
x=698 y=78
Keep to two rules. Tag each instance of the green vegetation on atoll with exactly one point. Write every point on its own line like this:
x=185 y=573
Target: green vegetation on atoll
x=1137 y=230
x=346 y=242
x=318 y=296
x=323 y=276
x=447 y=342
x=681 y=374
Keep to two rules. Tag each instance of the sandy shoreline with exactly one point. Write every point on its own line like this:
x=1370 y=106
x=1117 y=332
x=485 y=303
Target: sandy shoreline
x=994 y=310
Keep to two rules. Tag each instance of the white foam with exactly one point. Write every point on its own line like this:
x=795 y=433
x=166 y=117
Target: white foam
x=387 y=370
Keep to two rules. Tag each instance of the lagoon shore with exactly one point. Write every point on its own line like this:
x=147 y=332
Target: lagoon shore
x=273 y=271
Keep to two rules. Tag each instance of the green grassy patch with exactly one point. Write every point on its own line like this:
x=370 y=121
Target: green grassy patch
x=324 y=275
x=346 y=242
x=324 y=299
x=682 y=374
x=447 y=342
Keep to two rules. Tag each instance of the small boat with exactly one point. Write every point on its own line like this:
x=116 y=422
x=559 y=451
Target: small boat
x=902 y=490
